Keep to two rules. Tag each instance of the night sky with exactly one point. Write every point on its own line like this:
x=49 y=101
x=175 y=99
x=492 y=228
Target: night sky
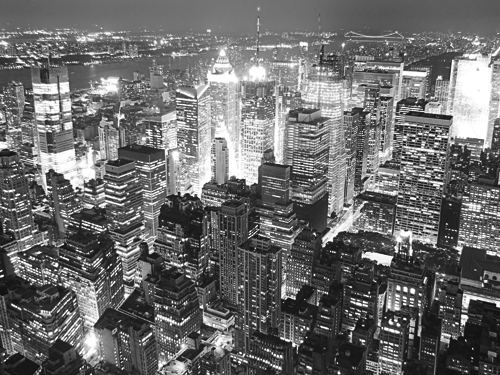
x=229 y=16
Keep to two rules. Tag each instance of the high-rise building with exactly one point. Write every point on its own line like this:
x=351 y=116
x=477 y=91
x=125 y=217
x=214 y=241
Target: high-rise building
x=225 y=94
x=479 y=217
x=220 y=161
x=389 y=74
x=469 y=95
x=394 y=336
x=228 y=232
x=309 y=162
x=150 y=168
x=16 y=216
x=63 y=359
x=162 y=130
x=494 y=110
x=325 y=90
x=127 y=342
x=414 y=84
x=259 y=289
x=177 y=312
x=270 y=352
x=258 y=113
x=63 y=201
x=286 y=101
x=38 y=316
x=424 y=173
x=40 y=265
x=53 y=122
x=194 y=136
x=123 y=194
x=361 y=177
x=350 y=121
x=93 y=194
x=109 y=140
x=495 y=136
x=387 y=110
x=14 y=100
x=441 y=92
x=90 y=268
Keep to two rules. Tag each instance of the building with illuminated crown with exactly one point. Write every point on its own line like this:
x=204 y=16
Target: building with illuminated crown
x=53 y=122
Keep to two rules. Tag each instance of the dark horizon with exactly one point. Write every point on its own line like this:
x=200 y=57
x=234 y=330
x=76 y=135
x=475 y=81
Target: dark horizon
x=230 y=16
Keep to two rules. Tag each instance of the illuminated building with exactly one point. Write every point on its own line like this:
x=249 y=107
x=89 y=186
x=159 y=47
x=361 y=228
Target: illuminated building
x=450 y=310
x=325 y=91
x=63 y=200
x=387 y=179
x=285 y=73
x=177 y=312
x=16 y=215
x=177 y=173
x=449 y=222
x=495 y=137
x=394 y=337
x=215 y=194
x=127 y=342
x=40 y=265
x=182 y=237
x=150 y=168
x=430 y=342
x=386 y=127
x=93 y=193
x=441 y=91
x=287 y=101
x=305 y=250
x=194 y=137
x=424 y=173
x=350 y=122
x=92 y=220
x=361 y=177
x=63 y=359
x=38 y=316
x=229 y=231
x=162 y=130
x=468 y=99
x=225 y=95
x=124 y=213
x=414 y=84
x=53 y=122
x=494 y=110
x=257 y=126
x=109 y=140
x=389 y=74
x=156 y=76
x=309 y=162
x=220 y=161
x=360 y=298
x=90 y=268
x=329 y=313
x=278 y=220
x=259 y=278
x=479 y=217
x=403 y=107
x=14 y=100
x=296 y=320
x=377 y=212
x=268 y=351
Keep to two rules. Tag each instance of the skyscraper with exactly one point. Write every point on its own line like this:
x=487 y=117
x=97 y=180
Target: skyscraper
x=109 y=140
x=16 y=216
x=123 y=194
x=494 y=110
x=150 y=168
x=225 y=95
x=468 y=99
x=424 y=173
x=350 y=122
x=441 y=92
x=162 y=130
x=220 y=161
x=306 y=150
x=194 y=136
x=53 y=122
x=257 y=125
x=394 y=337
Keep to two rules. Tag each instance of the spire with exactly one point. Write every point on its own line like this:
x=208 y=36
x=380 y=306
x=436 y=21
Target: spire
x=258 y=35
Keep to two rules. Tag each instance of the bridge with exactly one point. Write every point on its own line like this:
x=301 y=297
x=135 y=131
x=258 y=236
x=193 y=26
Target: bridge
x=355 y=35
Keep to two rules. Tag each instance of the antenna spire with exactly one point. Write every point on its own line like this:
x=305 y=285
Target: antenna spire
x=258 y=34
x=319 y=29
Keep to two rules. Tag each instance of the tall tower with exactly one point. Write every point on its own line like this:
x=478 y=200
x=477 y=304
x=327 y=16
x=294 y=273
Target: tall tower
x=123 y=194
x=325 y=91
x=16 y=216
x=150 y=168
x=424 y=173
x=109 y=140
x=53 y=122
x=220 y=161
x=225 y=99
x=494 y=110
x=194 y=136
x=309 y=162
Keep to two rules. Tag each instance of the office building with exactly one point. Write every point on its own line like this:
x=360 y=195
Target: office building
x=54 y=125
x=394 y=336
x=225 y=99
x=194 y=137
x=127 y=342
x=268 y=351
x=63 y=359
x=387 y=112
x=40 y=265
x=258 y=113
x=441 y=91
x=177 y=312
x=296 y=320
x=259 y=289
x=16 y=216
x=350 y=122
x=162 y=130
x=415 y=84
x=361 y=176
x=109 y=140
x=150 y=169
x=494 y=110
x=220 y=161
x=424 y=173
x=469 y=95
x=93 y=194
x=124 y=213
x=377 y=212
x=90 y=268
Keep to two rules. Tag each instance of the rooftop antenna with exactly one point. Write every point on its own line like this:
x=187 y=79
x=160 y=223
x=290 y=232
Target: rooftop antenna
x=258 y=35
x=319 y=29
